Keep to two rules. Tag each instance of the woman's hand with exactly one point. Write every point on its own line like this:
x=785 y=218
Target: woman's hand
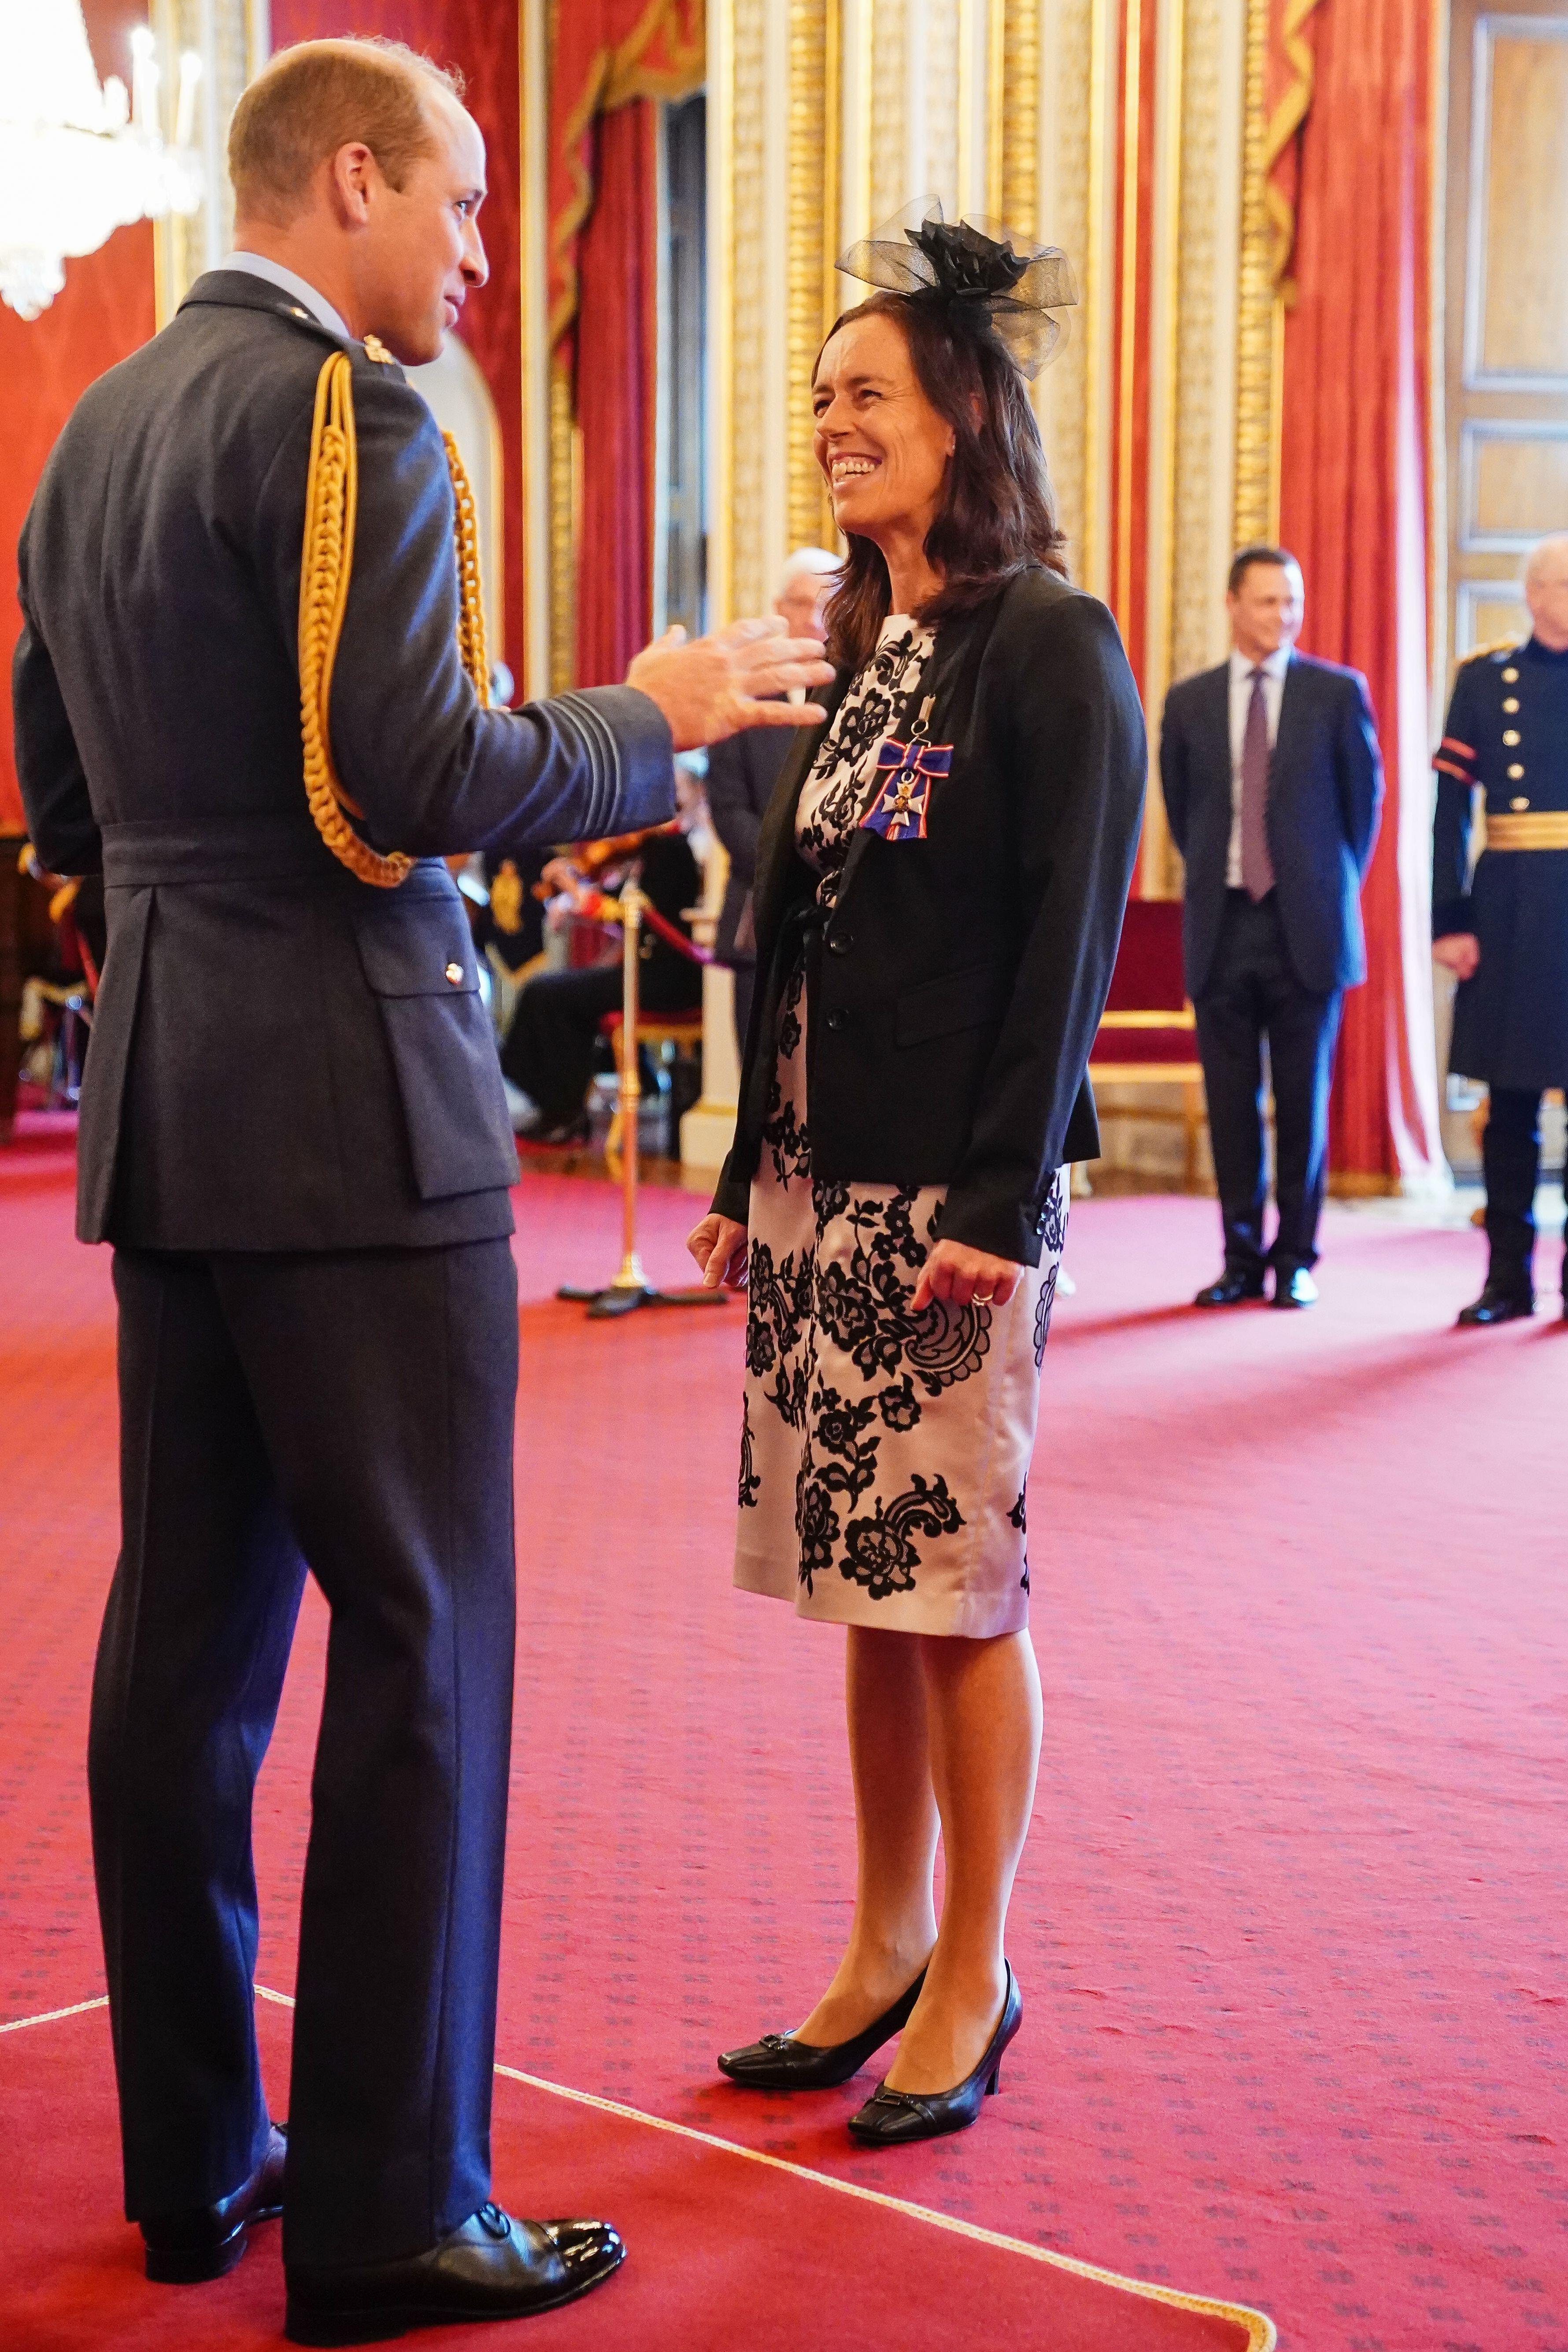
x=719 y=1246
x=957 y=1273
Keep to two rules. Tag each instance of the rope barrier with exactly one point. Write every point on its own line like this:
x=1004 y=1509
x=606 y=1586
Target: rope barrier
x=332 y=502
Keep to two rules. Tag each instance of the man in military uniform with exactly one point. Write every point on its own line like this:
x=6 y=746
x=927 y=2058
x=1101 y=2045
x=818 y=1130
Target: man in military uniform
x=294 y=1133
x=1504 y=929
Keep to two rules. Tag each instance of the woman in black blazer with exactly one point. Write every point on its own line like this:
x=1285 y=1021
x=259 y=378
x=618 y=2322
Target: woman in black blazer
x=941 y=880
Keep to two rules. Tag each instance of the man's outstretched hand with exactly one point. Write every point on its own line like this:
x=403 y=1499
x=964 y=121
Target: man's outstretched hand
x=715 y=685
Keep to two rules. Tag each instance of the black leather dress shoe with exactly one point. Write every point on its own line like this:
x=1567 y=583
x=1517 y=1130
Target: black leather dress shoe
x=894 y=2118
x=492 y=2268
x=207 y=2242
x=1230 y=1290
x=1495 y=1305
x=779 y=2063
x=1296 y=1289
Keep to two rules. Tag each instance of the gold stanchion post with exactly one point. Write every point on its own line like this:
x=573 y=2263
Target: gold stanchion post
x=631 y=1287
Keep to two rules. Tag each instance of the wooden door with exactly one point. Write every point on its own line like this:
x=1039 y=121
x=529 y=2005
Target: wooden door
x=1507 y=330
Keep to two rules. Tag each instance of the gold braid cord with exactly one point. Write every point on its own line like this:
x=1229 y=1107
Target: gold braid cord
x=332 y=494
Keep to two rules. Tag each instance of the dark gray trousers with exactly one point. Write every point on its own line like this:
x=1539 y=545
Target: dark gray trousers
x=351 y=1413
x=1252 y=992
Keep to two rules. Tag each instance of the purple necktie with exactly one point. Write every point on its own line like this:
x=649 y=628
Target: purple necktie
x=1257 y=866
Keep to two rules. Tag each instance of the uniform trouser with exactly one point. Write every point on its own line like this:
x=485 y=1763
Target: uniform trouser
x=352 y=1411
x=1510 y=1163
x=1251 y=992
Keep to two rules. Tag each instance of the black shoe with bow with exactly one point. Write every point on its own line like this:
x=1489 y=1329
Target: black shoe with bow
x=1294 y=1287
x=207 y=2242
x=894 y=2118
x=1230 y=1289
x=1497 y=1304
x=779 y=2063
x=492 y=2268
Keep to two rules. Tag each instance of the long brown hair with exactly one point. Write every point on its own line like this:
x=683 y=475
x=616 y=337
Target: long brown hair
x=997 y=514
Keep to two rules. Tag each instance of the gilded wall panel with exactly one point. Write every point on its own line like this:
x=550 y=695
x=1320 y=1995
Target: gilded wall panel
x=1061 y=390
x=889 y=70
x=747 y=295
x=1196 y=559
x=942 y=93
x=813 y=200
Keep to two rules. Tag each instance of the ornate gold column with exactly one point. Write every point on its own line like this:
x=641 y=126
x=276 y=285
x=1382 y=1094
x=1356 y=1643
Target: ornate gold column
x=1260 y=313
x=233 y=40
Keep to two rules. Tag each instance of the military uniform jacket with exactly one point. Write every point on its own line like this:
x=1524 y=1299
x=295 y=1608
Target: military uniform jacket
x=283 y=1057
x=955 y=993
x=1506 y=733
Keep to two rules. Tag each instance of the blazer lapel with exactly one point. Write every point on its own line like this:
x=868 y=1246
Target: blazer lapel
x=1291 y=701
x=1216 y=725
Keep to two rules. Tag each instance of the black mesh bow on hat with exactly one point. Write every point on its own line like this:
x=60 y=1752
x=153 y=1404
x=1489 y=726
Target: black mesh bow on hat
x=974 y=266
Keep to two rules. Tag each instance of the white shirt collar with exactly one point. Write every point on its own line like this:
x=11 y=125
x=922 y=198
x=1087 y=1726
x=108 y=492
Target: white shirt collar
x=1274 y=667
x=256 y=265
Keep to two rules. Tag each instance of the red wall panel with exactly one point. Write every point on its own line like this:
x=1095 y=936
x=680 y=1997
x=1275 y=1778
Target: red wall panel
x=46 y=365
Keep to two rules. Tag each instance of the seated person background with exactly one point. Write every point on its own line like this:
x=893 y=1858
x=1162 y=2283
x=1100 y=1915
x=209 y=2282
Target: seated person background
x=548 y=1051
x=742 y=772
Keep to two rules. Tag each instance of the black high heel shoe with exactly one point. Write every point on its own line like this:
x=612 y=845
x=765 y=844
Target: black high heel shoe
x=779 y=2063
x=893 y=2118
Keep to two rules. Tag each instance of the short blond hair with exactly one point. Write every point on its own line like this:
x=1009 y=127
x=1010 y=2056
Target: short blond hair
x=319 y=96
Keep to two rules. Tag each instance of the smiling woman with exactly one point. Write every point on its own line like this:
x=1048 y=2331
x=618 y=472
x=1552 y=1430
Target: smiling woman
x=941 y=880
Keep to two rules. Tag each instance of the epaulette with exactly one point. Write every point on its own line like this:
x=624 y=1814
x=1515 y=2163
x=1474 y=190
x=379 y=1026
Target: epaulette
x=1484 y=653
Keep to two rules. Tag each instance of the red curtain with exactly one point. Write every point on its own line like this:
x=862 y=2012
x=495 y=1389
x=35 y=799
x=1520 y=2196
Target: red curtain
x=605 y=53
x=616 y=368
x=1353 y=508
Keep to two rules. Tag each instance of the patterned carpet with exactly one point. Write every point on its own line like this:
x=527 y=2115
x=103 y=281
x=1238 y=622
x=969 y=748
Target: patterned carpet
x=1289 y=1927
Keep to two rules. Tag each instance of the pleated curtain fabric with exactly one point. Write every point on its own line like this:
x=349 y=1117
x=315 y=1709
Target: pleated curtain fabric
x=1353 y=471
x=617 y=358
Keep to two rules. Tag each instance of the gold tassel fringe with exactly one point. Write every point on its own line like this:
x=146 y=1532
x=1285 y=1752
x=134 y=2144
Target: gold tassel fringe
x=331 y=495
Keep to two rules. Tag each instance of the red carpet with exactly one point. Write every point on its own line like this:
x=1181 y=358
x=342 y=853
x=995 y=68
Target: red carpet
x=1289 y=1928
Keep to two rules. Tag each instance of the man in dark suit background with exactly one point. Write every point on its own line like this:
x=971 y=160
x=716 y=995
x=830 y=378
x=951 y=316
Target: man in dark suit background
x=1273 y=785
x=294 y=1133
x=742 y=773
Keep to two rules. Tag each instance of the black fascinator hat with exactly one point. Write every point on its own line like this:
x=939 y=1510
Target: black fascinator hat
x=981 y=269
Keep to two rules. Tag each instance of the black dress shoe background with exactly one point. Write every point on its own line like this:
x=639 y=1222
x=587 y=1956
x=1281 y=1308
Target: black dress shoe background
x=208 y=2240
x=1294 y=1287
x=1230 y=1289
x=1497 y=1304
x=492 y=2268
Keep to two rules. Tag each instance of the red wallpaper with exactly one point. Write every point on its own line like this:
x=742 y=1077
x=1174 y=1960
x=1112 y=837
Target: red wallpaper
x=480 y=37
x=104 y=312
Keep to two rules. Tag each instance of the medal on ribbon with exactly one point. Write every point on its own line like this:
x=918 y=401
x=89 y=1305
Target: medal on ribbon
x=904 y=776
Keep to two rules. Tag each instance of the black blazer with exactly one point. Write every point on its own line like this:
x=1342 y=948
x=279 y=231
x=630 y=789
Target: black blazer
x=1325 y=791
x=283 y=1057
x=954 y=996
x=742 y=773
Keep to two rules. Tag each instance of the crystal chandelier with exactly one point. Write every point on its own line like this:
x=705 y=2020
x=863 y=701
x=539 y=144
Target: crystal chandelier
x=76 y=159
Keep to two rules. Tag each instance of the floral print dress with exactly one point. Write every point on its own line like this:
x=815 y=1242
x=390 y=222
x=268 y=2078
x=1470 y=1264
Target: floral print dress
x=884 y=1455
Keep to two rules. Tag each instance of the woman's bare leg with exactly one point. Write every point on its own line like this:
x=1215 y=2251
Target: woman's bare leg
x=982 y=1715
x=895 y=1832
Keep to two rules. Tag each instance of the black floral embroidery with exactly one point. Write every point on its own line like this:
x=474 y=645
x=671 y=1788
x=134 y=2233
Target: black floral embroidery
x=816 y=1524
x=881 y=700
x=1043 y=1306
x=838 y=1430
x=1018 y=1518
x=1054 y=1216
x=864 y=1305
x=789 y=1016
x=828 y=1201
x=785 y=1135
x=778 y=1310
x=751 y=1477
x=879 y=1552
x=898 y=1406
